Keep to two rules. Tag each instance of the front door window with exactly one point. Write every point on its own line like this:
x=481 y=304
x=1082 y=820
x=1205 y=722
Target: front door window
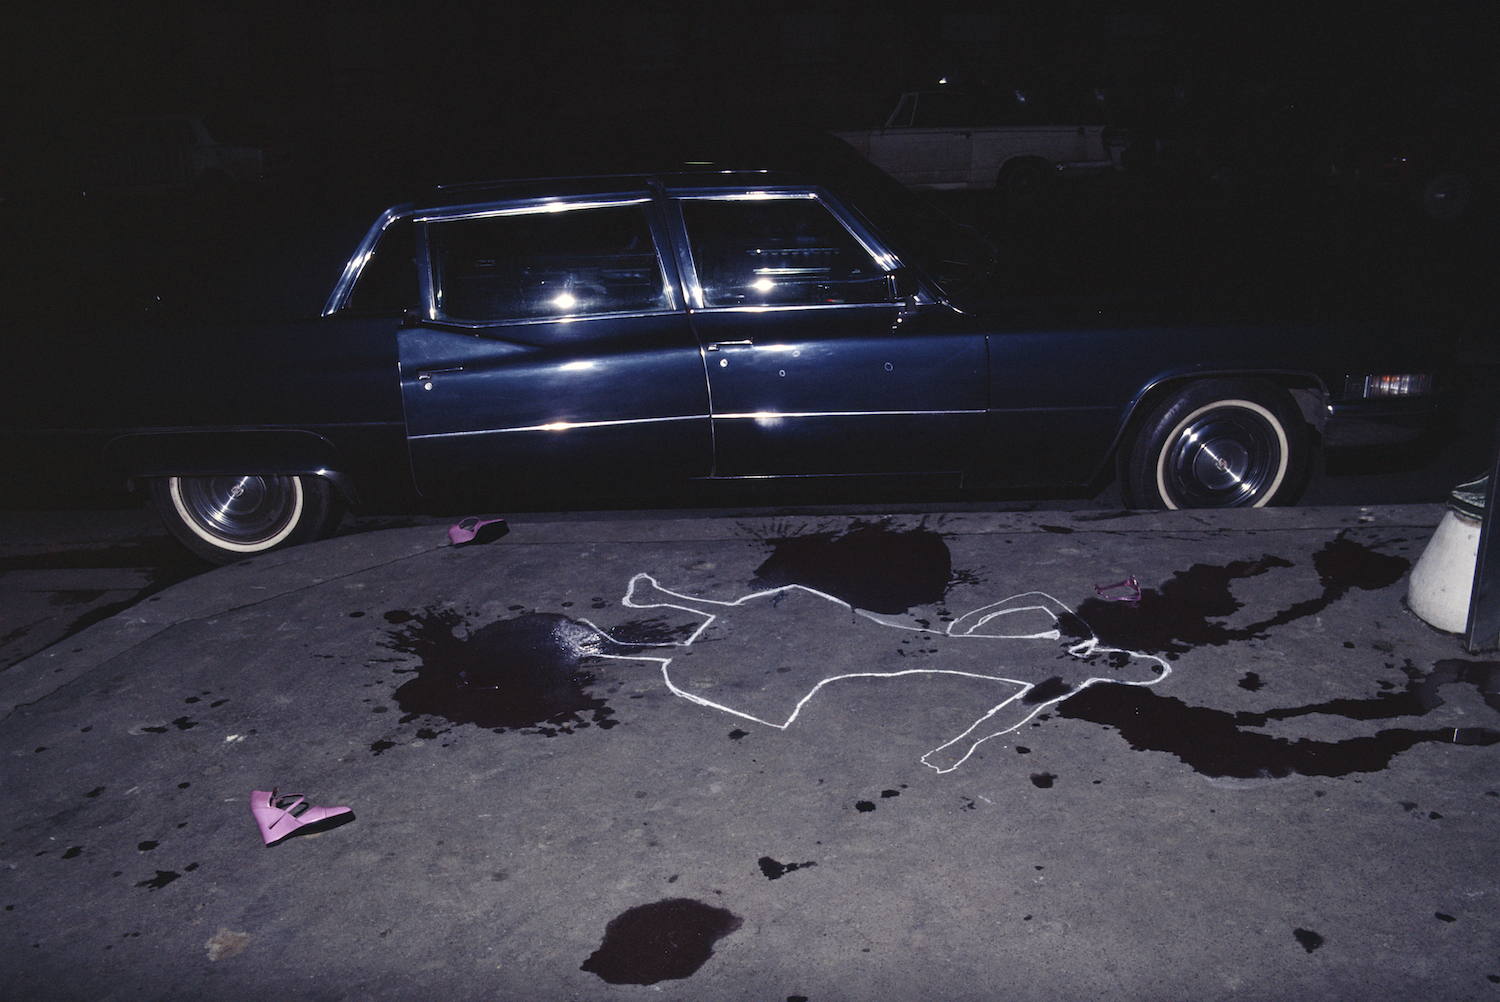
x=778 y=252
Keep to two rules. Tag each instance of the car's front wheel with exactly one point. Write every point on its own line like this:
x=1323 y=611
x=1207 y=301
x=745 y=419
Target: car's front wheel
x=1223 y=443
x=228 y=518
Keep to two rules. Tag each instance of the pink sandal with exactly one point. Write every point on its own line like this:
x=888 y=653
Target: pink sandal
x=276 y=823
x=1128 y=590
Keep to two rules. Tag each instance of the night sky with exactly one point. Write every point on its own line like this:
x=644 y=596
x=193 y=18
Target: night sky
x=372 y=74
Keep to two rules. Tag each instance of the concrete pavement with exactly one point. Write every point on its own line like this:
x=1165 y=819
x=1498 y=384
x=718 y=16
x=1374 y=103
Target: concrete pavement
x=820 y=758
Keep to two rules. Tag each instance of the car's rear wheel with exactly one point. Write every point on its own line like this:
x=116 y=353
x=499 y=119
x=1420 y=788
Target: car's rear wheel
x=228 y=518
x=1223 y=443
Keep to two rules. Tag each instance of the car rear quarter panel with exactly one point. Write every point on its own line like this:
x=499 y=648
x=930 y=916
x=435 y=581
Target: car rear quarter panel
x=334 y=377
x=1063 y=400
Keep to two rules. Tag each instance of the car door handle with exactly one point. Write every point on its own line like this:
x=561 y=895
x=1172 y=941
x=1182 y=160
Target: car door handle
x=425 y=374
x=716 y=345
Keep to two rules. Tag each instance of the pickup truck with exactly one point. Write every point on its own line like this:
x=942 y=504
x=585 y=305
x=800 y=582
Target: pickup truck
x=939 y=140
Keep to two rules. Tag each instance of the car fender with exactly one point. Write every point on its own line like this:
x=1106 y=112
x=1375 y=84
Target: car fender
x=225 y=452
x=1307 y=389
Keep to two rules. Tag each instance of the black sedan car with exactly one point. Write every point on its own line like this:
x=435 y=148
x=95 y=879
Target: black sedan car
x=709 y=320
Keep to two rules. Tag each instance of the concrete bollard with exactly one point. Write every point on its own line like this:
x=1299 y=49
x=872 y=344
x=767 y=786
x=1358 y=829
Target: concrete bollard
x=1442 y=583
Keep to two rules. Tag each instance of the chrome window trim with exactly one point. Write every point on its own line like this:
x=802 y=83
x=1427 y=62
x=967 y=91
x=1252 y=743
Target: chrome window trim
x=361 y=256
x=581 y=318
x=529 y=207
x=780 y=308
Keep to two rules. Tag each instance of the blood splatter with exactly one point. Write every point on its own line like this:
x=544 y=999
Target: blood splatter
x=871 y=566
x=1215 y=743
x=659 y=942
x=1310 y=940
x=775 y=870
x=1189 y=609
x=529 y=671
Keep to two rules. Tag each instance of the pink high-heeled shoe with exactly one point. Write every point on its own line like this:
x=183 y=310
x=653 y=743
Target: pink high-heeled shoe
x=276 y=823
x=477 y=530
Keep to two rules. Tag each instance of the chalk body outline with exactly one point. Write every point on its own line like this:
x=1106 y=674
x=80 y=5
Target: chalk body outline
x=977 y=624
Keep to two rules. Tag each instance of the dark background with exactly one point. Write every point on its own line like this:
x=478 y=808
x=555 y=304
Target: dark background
x=346 y=83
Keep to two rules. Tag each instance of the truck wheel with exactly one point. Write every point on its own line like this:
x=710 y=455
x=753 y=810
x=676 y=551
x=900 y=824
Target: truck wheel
x=228 y=518
x=1223 y=443
x=1025 y=180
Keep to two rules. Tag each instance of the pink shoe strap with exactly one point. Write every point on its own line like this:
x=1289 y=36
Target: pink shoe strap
x=286 y=812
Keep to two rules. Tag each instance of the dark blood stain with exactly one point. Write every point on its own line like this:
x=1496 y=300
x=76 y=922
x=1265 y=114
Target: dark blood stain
x=527 y=672
x=1310 y=940
x=736 y=734
x=1212 y=742
x=775 y=871
x=887 y=794
x=75 y=597
x=1046 y=691
x=871 y=566
x=864 y=806
x=1060 y=529
x=1022 y=750
x=181 y=723
x=1420 y=695
x=1189 y=609
x=1072 y=627
x=379 y=746
x=1042 y=780
x=1251 y=681
x=72 y=851
x=398 y=616
x=95 y=792
x=659 y=942
x=1444 y=917
x=162 y=879
x=147 y=846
